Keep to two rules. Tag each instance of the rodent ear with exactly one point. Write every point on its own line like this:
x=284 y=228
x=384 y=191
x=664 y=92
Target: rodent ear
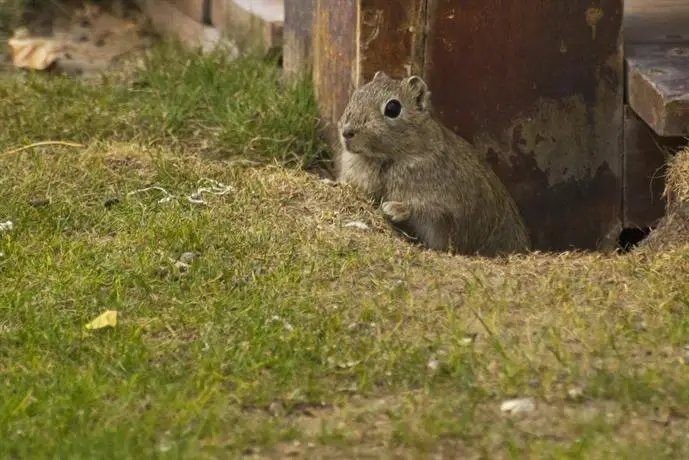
x=419 y=91
x=379 y=74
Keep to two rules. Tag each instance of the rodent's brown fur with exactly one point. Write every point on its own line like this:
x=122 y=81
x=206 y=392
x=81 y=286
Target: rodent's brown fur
x=431 y=182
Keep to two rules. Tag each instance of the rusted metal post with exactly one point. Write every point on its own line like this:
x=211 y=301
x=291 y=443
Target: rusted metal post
x=537 y=85
x=645 y=156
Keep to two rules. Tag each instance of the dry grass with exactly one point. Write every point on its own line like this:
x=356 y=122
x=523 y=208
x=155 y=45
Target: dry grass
x=673 y=229
x=293 y=334
x=677 y=180
x=343 y=371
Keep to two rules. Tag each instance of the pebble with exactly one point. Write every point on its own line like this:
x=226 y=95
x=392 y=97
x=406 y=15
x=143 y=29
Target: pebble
x=357 y=224
x=189 y=257
x=181 y=266
x=39 y=203
x=110 y=202
x=518 y=405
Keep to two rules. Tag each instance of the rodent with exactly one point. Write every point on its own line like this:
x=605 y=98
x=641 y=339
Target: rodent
x=430 y=182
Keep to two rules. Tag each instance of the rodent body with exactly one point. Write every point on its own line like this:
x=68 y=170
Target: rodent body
x=432 y=184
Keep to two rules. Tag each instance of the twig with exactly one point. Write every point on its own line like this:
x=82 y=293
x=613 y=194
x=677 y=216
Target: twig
x=40 y=144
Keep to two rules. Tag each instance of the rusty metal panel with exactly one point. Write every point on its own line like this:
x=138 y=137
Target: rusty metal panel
x=644 y=170
x=658 y=86
x=297 y=53
x=391 y=37
x=537 y=85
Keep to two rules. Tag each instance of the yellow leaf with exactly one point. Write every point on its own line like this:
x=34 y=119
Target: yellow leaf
x=105 y=319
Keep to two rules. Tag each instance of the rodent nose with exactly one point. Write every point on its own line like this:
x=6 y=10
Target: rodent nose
x=348 y=133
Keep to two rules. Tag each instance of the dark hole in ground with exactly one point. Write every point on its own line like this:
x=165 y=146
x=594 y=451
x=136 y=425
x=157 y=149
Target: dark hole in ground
x=630 y=237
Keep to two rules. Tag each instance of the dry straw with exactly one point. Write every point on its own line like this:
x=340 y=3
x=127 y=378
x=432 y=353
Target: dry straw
x=673 y=229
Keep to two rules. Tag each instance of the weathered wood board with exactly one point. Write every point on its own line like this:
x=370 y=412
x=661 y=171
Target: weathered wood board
x=169 y=21
x=335 y=69
x=297 y=50
x=658 y=85
x=251 y=24
x=656 y=21
x=353 y=39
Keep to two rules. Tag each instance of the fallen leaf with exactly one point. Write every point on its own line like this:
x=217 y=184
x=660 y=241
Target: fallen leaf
x=105 y=319
x=33 y=52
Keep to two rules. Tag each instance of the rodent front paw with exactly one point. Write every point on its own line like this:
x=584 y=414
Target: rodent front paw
x=396 y=211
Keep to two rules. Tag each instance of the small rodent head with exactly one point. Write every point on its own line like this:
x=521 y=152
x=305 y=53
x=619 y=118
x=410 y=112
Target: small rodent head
x=385 y=117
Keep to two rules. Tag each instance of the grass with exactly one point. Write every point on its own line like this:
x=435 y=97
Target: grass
x=292 y=334
x=181 y=101
x=11 y=12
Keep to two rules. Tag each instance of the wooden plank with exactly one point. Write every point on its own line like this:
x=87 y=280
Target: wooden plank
x=335 y=69
x=537 y=85
x=297 y=52
x=644 y=169
x=354 y=39
x=252 y=24
x=170 y=22
x=658 y=86
x=656 y=21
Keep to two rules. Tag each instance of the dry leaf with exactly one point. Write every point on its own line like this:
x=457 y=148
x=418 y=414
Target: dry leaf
x=105 y=319
x=33 y=52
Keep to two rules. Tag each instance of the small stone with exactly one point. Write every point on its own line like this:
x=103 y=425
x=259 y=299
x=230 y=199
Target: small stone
x=518 y=405
x=40 y=202
x=575 y=393
x=189 y=257
x=348 y=364
x=468 y=340
x=433 y=364
x=6 y=226
x=276 y=409
x=181 y=266
x=685 y=355
x=357 y=224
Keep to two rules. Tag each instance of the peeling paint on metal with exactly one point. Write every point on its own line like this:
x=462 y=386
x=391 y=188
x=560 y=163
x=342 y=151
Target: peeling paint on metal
x=593 y=17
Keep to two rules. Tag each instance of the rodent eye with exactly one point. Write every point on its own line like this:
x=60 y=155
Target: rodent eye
x=392 y=108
